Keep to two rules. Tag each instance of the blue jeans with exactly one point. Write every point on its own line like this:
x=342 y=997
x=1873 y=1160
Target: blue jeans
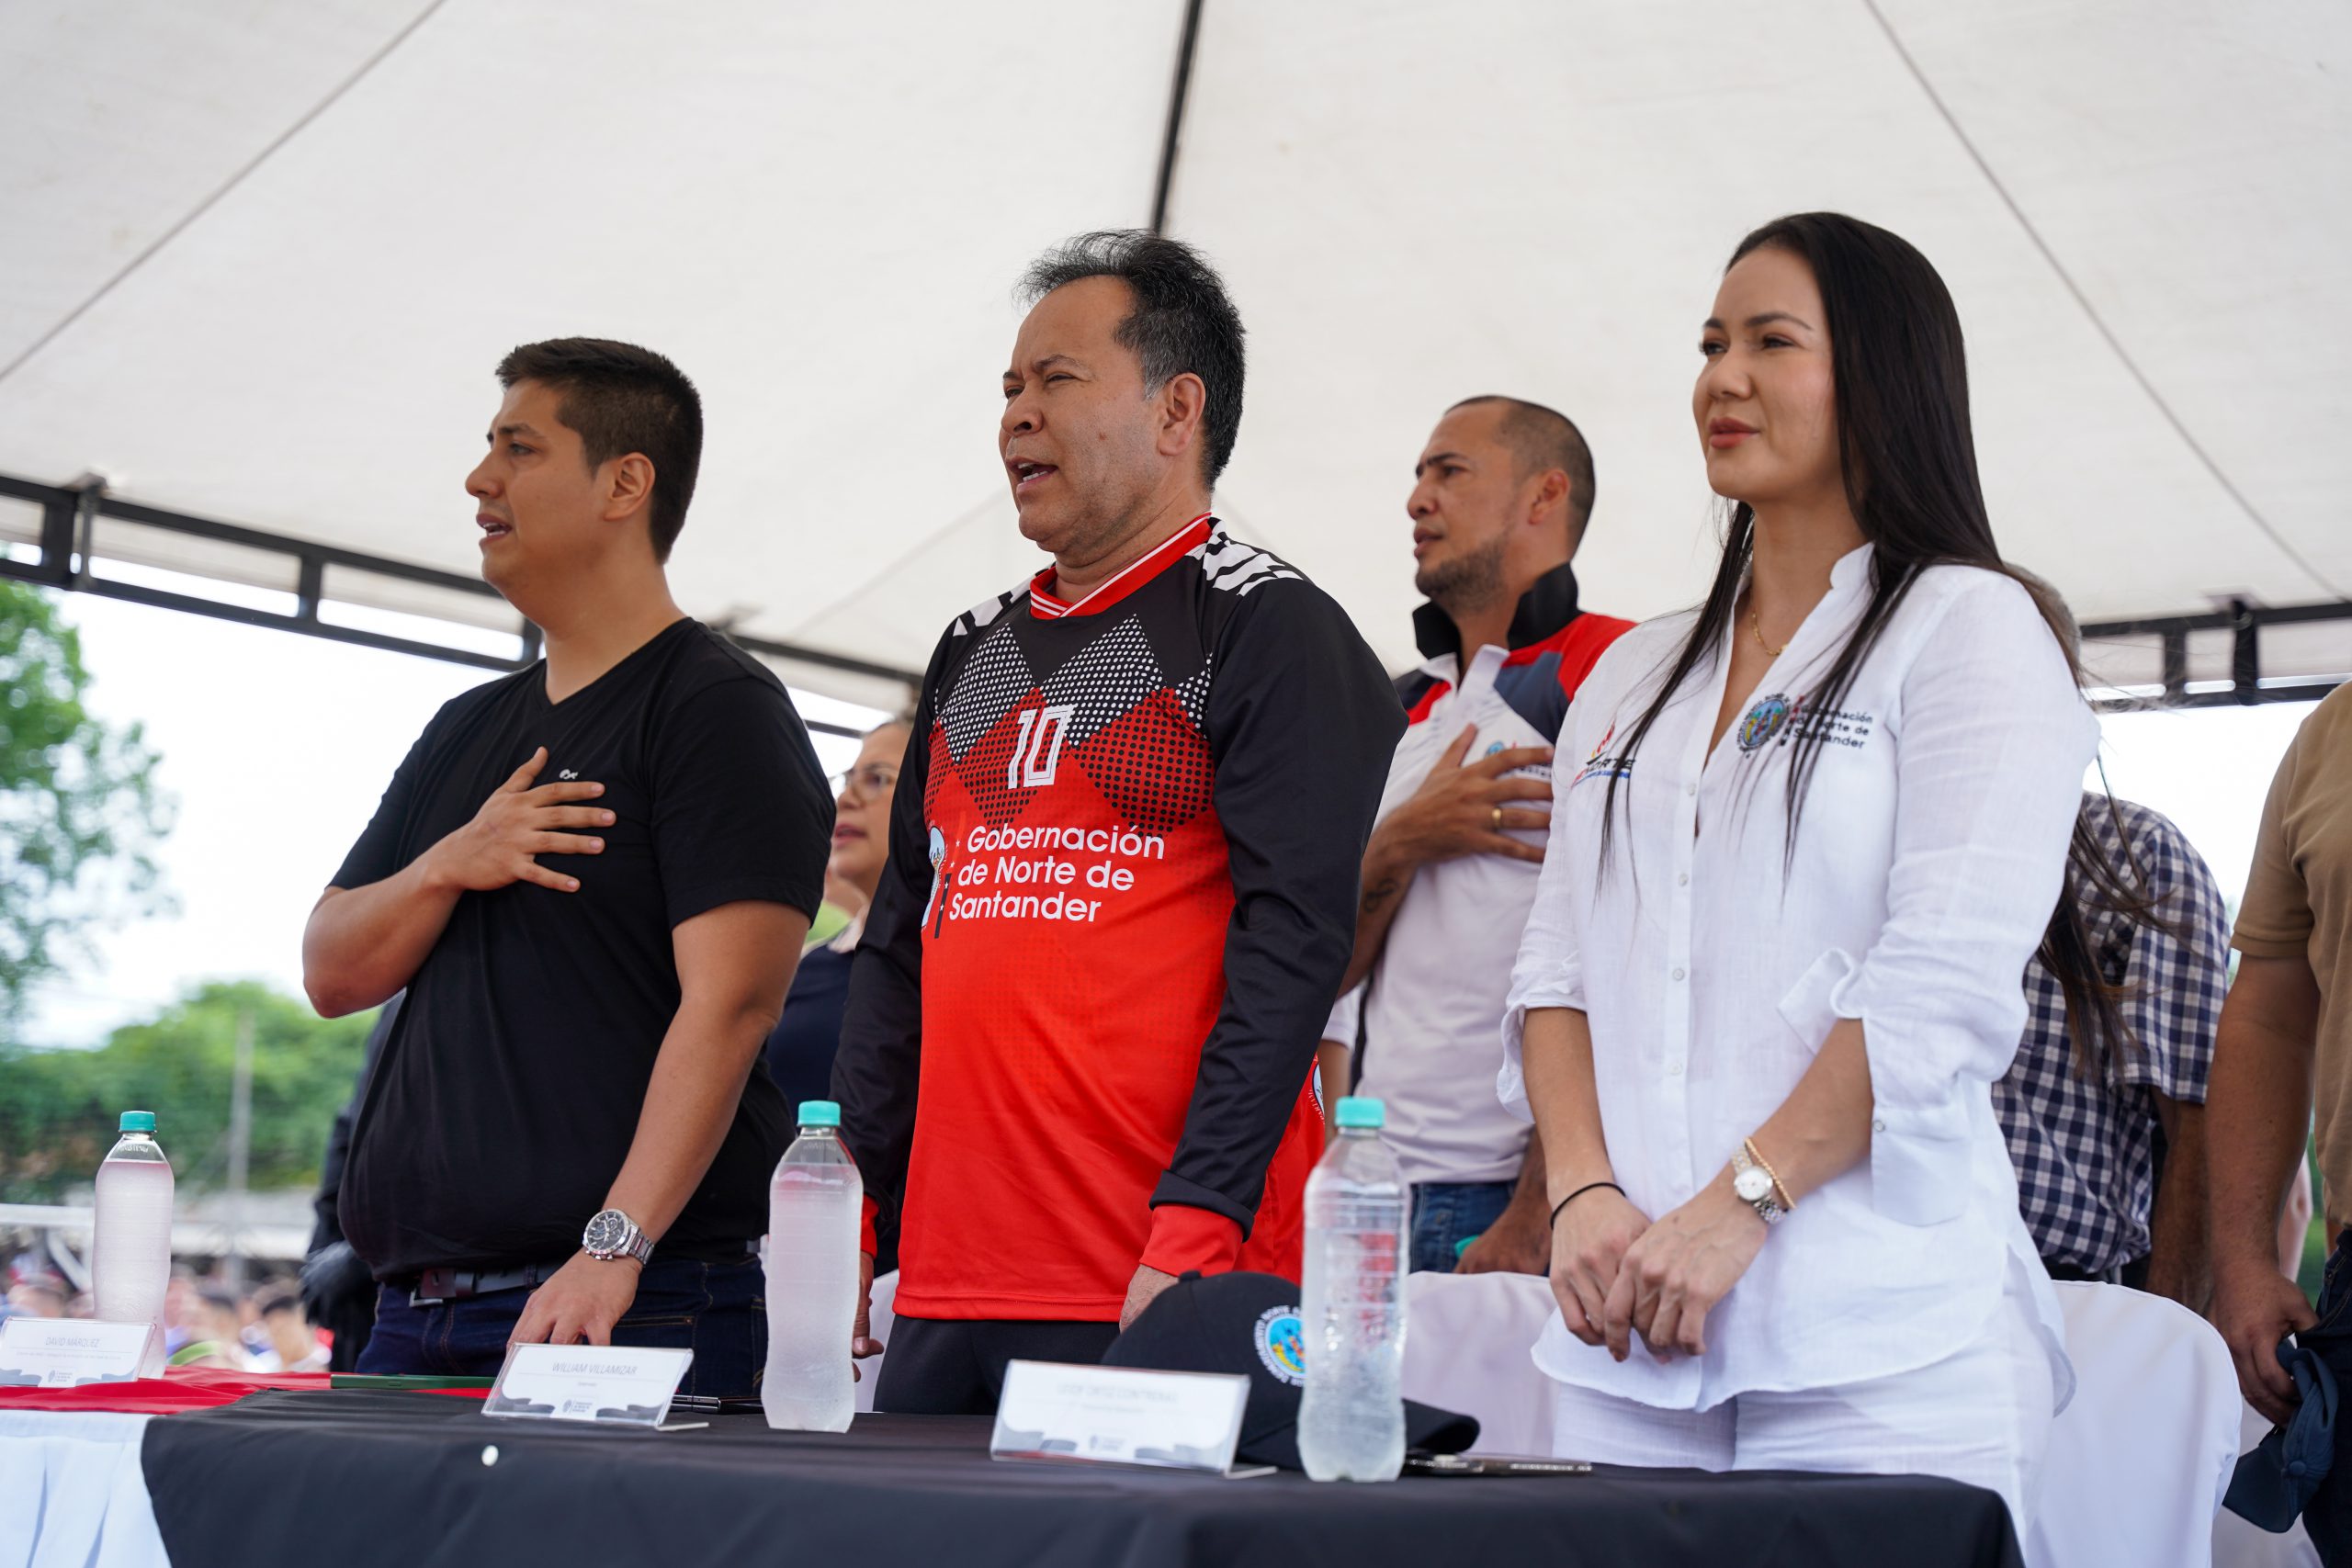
x=2327 y=1518
x=1447 y=1214
x=717 y=1310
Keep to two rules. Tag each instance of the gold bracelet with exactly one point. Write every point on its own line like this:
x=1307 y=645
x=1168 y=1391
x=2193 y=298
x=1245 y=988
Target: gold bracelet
x=1779 y=1193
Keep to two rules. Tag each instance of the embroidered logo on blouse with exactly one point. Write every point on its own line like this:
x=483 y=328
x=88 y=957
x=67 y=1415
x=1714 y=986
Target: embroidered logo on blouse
x=1781 y=720
x=1281 y=1344
x=1764 y=721
x=1601 y=764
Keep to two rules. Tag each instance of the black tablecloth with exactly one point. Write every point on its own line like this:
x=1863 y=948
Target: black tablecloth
x=357 y=1479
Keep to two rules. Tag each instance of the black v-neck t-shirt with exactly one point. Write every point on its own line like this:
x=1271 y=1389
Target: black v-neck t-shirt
x=509 y=1090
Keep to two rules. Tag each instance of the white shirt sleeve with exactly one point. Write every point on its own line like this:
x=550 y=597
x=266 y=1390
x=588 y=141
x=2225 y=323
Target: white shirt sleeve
x=1991 y=741
x=1341 y=1025
x=1550 y=969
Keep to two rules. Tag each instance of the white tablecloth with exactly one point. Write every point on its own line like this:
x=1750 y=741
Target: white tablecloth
x=2136 y=1465
x=72 y=1494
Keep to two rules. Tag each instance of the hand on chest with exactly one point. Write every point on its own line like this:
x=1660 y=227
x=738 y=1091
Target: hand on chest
x=614 y=856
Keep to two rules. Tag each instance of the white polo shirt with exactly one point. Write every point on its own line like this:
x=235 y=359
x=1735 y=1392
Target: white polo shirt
x=1434 y=1000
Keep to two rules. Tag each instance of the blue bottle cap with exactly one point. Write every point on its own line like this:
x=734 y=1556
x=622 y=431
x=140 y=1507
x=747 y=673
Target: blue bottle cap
x=1360 y=1110
x=138 y=1121
x=819 y=1113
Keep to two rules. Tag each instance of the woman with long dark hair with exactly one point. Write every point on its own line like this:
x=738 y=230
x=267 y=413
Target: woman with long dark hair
x=1807 y=837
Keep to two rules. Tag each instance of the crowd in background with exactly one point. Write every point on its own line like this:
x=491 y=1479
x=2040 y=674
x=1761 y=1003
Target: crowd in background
x=207 y=1322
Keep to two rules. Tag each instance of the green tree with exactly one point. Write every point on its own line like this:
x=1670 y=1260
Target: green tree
x=78 y=801
x=58 y=1108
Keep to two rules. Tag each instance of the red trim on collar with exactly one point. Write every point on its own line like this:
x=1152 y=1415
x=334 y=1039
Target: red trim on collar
x=1045 y=605
x=1429 y=700
x=1579 y=643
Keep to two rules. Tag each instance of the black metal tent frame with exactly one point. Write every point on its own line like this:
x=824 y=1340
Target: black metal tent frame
x=68 y=519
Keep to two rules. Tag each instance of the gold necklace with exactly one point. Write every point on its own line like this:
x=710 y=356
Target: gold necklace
x=1757 y=625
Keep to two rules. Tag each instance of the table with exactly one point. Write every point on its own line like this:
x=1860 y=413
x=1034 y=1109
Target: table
x=363 y=1478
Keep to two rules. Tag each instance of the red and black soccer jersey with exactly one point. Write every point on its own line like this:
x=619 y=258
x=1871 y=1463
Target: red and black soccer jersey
x=1121 y=894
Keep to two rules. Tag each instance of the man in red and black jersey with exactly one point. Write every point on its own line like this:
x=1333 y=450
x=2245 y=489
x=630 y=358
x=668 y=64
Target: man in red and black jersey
x=1122 y=868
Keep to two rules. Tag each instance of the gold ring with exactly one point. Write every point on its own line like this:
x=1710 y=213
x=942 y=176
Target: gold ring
x=1498 y=818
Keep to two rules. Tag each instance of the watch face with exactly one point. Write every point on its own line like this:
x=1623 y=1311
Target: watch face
x=1752 y=1185
x=604 y=1232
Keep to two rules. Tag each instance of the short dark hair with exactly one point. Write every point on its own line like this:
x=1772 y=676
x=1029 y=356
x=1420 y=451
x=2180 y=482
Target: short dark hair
x=1182 y=321
x=1541 y=439
x=622 y=399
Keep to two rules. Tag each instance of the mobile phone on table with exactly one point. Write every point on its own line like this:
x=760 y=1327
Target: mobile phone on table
x=1491 y=1464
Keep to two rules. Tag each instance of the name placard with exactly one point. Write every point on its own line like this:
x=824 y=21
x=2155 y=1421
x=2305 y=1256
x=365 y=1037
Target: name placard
x=626 y=1385
x=66 y=1352
x=1120 y=1415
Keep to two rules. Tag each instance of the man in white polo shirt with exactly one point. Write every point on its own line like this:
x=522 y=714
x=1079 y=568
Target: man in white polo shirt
x=1501 y=497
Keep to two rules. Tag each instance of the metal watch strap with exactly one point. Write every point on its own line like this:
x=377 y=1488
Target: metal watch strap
x=1767 y=1206
x=633 y=1242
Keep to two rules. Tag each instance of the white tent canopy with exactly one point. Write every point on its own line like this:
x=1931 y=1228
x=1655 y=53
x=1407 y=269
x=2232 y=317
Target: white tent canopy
x=258 y=258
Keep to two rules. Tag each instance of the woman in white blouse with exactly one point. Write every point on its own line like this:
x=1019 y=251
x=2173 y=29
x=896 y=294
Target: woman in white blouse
x=1805 y=839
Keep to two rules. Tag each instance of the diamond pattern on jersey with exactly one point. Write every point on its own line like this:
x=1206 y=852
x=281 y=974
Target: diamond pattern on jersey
x=1109 y=677
x=993 y=684
x=984 y=768
x=943 y=764
x=1151 y=764
x=1192 y=696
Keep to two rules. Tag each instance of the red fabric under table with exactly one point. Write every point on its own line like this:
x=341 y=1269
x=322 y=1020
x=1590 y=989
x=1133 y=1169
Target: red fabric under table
x=179 y=1389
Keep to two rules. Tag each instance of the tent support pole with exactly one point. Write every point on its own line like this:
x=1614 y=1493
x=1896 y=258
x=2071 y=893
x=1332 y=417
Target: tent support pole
x=1175 y=131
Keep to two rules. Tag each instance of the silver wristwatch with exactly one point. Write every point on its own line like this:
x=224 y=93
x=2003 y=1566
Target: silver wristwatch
x=1753 y=1185
x=613 y=1234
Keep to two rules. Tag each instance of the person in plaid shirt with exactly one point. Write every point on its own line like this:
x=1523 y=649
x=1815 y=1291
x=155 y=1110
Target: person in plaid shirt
x=2110 y=1162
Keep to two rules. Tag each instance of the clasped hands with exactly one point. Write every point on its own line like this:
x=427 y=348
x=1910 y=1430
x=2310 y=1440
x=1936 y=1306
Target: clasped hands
x=1616 y=1274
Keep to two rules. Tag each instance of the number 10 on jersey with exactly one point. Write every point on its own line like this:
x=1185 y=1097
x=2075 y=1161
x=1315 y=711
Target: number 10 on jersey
x=1038 y=749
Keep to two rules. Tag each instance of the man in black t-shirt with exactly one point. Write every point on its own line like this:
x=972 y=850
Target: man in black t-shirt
x=593 y=877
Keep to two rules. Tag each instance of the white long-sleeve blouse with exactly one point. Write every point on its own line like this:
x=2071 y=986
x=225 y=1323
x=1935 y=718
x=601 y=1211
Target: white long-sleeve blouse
x=1711 y=962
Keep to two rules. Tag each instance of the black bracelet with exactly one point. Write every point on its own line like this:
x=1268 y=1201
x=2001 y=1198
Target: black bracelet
x=1580 y=1192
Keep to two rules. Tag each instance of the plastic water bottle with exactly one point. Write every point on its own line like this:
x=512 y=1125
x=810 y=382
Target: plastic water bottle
x=814 y=1212
x=130 y=1257
x=1352 y=1413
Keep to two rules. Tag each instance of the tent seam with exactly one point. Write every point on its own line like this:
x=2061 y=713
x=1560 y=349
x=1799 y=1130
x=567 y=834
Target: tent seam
x=2098 y=322
x=201 y=207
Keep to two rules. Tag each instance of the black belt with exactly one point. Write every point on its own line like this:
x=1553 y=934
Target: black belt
x=436 y=1287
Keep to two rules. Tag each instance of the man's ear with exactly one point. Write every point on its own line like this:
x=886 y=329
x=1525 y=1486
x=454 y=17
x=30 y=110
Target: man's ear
x=1550 y=503
x=1183 y=404
x=628 y=487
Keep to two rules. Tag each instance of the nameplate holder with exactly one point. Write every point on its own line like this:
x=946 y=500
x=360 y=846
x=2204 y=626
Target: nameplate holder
x=1120 y=1415
x=67 y=1352
x=615 y=1385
